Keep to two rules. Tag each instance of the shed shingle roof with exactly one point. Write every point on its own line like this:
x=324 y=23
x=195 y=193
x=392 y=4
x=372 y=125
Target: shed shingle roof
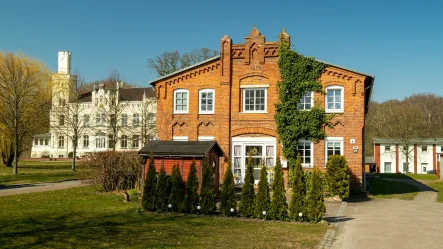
x=179 y=148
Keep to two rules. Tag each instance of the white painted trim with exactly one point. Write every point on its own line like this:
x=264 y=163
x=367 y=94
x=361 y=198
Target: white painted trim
x=333 y=139
x=180 y=138
x=335 y=87
x=254 y=139
x=205 y=138
x=254 y=86
x=311 y=165
x=244 y=98
x=175 y=101
x=207 y=90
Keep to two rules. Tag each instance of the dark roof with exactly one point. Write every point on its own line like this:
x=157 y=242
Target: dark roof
x=126 y=94
x=85 y=97
x=43 y=135
x=179 y=148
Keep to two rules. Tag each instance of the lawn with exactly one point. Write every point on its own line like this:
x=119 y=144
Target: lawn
x=438 y=186
x=38 y=171
x=385 y=189
x=85 y=218
x=409 y=176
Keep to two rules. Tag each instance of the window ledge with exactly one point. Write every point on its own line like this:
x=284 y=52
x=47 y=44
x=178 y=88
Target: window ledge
x=180 y=113
x=259 y=112
x=206 y=113
x=334 y=111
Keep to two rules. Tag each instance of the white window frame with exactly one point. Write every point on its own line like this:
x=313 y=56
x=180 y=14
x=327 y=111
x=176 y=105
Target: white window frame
x=100 y=142
x=424 y=146
x=334 y=110
x=61 y=141
x=311 y=164
x=135 y=141
x=424 y=165
x=86 y=120
x=124 y=119
x=389 y=148
x=124 y=142
x=85 y=141
x=200 y=111
x=175 y=101
x=333 y=139
x=135 y=119
x=384 y=167
x=254 y=89
x=301 y=105
x=180 y=138
x=205 y=138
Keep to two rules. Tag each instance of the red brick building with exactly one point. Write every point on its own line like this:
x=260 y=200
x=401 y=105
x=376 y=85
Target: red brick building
x=231 y=97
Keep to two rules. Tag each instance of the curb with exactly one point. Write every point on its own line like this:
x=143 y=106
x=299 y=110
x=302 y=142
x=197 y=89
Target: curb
x=330 y=234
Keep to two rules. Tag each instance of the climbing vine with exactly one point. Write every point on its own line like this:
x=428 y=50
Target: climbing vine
x=299 y=75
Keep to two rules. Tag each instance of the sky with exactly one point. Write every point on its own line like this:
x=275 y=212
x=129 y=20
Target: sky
x=398 y=42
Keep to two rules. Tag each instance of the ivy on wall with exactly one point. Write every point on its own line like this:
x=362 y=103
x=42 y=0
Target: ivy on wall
x=299 y=75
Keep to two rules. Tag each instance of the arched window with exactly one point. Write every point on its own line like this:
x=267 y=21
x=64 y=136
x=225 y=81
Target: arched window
x=334 y=99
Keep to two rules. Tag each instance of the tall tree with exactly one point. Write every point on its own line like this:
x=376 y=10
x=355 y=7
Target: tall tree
x=247 y=193
x=207 y=194
x=298 y=197
x=263 y=199
x=177 y=190
x=24 y=96
x=191 y=196
x=316 y=206
x=279 y=206
x=149 y=191
x=169 y=62
x=228 y=199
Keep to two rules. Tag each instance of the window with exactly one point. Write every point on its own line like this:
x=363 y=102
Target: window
x=124 y=119
x=103 y=119
x=61 y=141
x=181 y=101
x=180 y=138
x=424 y=167
x=124 y=141
x=136 y=119
x=98 y=119
x=86 y=120
x=75 y=119
x=206 y=101
x=113 y=120
x=424 y=148
x=306 y=102
x=387 y=148
x=85 y=141
x=333 y=146
x=262 y=150
x=254 y=100
x=110 y=141
x=305 y=148
x=46 y=141
x=135 y=140
x=100 y=142
x=388 y=167
x=61 y=120
x=41 y=141
x=334 y=99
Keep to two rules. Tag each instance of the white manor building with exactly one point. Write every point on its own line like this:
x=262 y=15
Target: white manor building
x=423 y=155
x=108 y=116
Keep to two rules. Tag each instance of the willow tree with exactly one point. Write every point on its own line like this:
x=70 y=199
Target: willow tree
x=24 y=98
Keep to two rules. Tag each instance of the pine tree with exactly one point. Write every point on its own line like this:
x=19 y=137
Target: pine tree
x=298 y=198
x=191 y=197
x=316 y=205
x=207 y=192
x=338 y=176
x=177 y=190
x=262 y=200
x=279 y=206
x=149 y=190
x=163 y=191
x=247 y=193
x=228 y=199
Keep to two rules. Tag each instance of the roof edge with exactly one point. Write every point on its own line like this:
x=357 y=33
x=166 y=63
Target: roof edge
x=183 y=69
x=345 y=68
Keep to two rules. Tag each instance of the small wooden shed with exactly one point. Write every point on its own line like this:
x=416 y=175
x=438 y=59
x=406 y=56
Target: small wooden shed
x=181 y=153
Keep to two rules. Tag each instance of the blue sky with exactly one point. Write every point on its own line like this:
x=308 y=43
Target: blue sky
x=399 y=42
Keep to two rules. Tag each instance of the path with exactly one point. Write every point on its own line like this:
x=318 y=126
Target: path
x=38 y=187
x=384 y=223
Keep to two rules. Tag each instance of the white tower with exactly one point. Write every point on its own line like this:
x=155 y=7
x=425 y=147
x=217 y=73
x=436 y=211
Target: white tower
x=64 y=62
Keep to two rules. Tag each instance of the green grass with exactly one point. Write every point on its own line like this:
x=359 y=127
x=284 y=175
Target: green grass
x=409 y=176
x=438 y=186
x=85 y=218
x=385 y=189
x=39 y=171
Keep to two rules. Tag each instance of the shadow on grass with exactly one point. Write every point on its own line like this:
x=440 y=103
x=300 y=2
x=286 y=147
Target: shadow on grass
x=395 y=185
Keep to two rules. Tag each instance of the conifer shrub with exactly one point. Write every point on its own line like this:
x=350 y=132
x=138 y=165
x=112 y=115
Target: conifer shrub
x=316 y=205
x=191 y=200
x=298 y=202
x=227 y=196
x=247 y=194
x=163 y=191
x=262 y=199
x=338 y=176
x=149 y=190
x=279 y=207
x=177 y=190
x=207 y=200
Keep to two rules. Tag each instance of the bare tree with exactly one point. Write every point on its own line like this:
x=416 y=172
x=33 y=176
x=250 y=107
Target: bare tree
x=169 y=62
x=148 y=115
x=24 y=95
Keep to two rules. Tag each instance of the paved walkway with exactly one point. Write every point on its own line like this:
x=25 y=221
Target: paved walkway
x=392 y=223
x=38 y=187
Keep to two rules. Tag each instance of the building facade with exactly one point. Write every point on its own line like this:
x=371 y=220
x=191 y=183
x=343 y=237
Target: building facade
x=421 y=156
x=231 y=98
x=110 y=117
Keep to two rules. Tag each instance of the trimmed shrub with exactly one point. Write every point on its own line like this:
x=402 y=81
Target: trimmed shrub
x=191 y=197
x=338 y=176
x=149 y=192
x=207 y=194
x=262 y=200
x=278 y=208
x=247 y=193
x=163 y=191
x=177 y=190
x=228 y=199
x=316 y=205
x=298 y=202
